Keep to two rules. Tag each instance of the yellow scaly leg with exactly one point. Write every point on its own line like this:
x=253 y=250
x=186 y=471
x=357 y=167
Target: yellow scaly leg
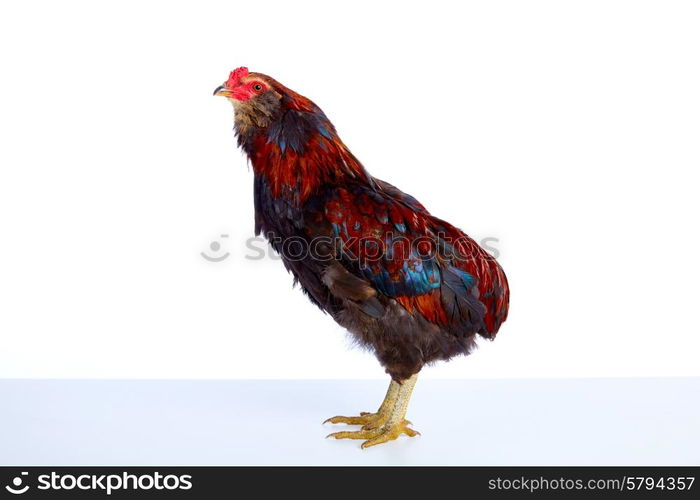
x=395 y=424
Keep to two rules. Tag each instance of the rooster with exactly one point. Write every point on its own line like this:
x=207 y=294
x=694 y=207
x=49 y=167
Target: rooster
x=412 y=288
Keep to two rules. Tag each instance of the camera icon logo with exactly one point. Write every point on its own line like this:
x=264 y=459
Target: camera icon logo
x=16 y=488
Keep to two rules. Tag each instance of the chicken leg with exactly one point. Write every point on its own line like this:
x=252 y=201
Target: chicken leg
x=378 y=428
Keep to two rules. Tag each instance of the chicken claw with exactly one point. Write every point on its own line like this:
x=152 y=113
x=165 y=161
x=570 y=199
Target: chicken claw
x=377 y=435
x=366 y=419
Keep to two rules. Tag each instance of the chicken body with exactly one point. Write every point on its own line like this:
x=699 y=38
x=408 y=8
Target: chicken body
x=411 y=287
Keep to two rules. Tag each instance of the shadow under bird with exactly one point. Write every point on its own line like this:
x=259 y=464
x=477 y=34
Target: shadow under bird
x=409 y=286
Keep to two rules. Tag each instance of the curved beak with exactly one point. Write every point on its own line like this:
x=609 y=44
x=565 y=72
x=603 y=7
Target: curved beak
x=222 y=91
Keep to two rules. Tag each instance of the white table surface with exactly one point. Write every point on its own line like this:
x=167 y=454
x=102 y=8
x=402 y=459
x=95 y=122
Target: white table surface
x=228 y=422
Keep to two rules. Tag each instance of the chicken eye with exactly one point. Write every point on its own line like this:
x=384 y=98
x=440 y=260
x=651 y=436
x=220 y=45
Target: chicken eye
x=257 y=87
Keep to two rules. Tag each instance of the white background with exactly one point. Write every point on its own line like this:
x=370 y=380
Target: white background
x=567 y=130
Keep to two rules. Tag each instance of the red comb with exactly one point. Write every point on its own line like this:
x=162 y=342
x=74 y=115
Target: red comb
x=235 y=77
